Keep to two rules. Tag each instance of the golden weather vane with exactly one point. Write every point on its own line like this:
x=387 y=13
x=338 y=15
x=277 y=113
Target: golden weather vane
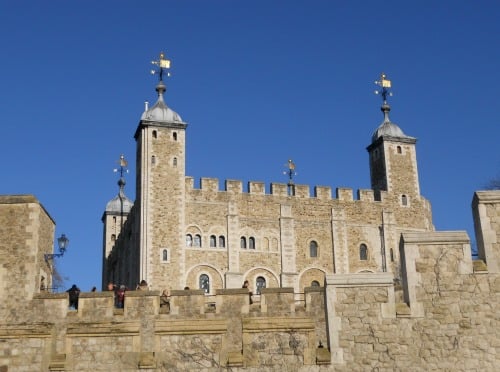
x=291 y=173
x=123 y=166
x=385 y=84
x=163 y=64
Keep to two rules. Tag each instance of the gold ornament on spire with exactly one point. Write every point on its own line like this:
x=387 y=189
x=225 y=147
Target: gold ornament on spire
x=385 y=84
x=162 y=64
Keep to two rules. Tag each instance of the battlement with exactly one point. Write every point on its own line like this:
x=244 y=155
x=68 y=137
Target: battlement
x=100 y=306
x=211 y=186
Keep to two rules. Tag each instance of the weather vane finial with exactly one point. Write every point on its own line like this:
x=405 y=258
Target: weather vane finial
x=123 y=166
x=385 y=84
x=291 y=173
x=162 y=64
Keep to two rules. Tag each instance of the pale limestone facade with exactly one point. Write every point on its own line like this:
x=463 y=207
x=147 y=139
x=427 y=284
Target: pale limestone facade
x=413 y=301
x=177 y=235
x=444 y=315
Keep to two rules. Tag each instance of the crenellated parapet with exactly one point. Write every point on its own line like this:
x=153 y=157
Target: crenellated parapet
x=211 y=186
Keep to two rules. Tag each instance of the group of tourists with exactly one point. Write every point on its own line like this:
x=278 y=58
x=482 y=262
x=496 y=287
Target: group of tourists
x=119 y=294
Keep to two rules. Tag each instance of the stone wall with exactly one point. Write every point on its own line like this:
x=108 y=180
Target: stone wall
x=26 y=235
x=439 y=313
x=192 y=334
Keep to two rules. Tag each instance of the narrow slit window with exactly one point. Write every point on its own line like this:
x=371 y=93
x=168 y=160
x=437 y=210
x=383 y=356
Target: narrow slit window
x=313 y=249
x=175 y=136
x=363 y=252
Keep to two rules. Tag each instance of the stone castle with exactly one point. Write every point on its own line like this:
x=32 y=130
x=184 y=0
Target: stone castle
x=175 y=235
x=339 y=283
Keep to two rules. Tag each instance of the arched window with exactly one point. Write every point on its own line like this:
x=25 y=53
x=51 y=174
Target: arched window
x=205 y=283
x=175 y=136
x=213 y=241
x=174 y=162
x=189 y=240
x=114 y=219
x=222 y=241
x=165 y=255
x=404 y=200
x=251 y=242
x=363 y=252
x=313 y=249
x=113 y=237
x=260 y=283
x=197 y=240
x=243 y=242
x=154 y=134
x=315 y=283
x=153 y=160
x=398 y=150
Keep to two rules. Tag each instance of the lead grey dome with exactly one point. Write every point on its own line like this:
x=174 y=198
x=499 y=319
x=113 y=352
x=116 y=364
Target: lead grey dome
x=120 y=203
x=160 y=112
x=388 y=128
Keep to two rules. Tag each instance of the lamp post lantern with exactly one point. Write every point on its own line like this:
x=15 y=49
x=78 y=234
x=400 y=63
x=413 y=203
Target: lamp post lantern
x=62 y=242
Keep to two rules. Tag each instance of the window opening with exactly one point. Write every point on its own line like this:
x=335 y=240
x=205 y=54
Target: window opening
x=197 y=240
x=404 y=200
x=315 y=283
x=205 y=283
x=165 y=255
x=213 y=241
x=243 y=242
x=155 y=134
x=313 y=249
x=260 y=283
x=189 y=240
x=222 y=241
x=363 y=252
x=251 y=243
x=175 y=136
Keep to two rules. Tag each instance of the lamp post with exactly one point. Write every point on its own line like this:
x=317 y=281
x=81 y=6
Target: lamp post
x=62 y=242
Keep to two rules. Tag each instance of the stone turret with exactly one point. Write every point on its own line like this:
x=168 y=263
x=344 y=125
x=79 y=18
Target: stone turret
x=160 y=191
x=393 y=163
x=114 y=218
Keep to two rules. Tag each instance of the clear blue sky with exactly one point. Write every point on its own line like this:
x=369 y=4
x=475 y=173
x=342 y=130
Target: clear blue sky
x=259 y=82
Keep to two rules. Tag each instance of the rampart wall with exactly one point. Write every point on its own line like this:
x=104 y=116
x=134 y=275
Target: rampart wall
x=442 y=315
